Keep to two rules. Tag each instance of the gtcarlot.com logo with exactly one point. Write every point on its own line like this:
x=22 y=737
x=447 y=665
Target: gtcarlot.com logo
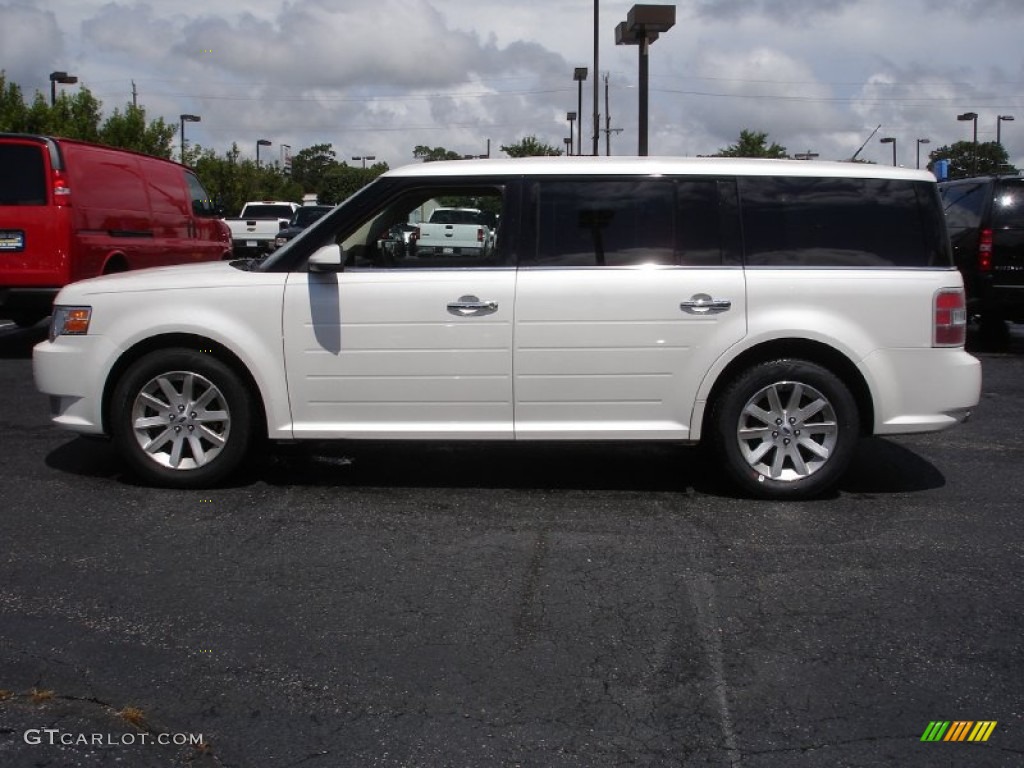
x=958 y=730
x=55 y=736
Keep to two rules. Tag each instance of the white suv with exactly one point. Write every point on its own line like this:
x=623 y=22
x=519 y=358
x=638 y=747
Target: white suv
x=775 y=309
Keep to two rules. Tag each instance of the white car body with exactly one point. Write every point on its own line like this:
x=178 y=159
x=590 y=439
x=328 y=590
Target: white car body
x=558 y=354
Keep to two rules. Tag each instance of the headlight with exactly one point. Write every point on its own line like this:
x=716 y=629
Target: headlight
x=69 y=321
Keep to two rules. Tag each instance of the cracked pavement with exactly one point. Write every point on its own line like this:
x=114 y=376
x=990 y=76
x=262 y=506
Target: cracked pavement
x=472 y=606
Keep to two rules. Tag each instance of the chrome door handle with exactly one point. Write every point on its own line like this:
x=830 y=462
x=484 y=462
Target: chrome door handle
x=702 y=304
x=468 y=306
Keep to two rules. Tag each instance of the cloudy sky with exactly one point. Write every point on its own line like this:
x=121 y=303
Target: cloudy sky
x=379 y=77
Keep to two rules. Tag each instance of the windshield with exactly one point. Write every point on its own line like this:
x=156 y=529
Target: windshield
x=306 y=216
x=267 y=212
x=1008 y=206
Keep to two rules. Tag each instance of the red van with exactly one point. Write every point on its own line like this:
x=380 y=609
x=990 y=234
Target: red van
x=71 y=210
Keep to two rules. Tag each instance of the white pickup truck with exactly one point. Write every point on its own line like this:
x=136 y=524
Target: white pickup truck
x=455 y=232
x=253 y=232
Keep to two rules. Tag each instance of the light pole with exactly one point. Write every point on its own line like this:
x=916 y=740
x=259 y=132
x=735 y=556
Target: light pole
x=59 y=77
x=919 y=143
x=571 y=117
x=642 y=26
x=186 y=119
x=890 y=140
x=999 y=125
x=364 y=158
x=579 y=74
x=964 y=118
x=261 y=143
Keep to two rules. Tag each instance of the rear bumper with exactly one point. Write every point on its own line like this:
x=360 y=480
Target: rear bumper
x=921 y=390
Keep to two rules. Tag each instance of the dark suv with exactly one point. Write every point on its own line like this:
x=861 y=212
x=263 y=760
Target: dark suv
x=985 y=217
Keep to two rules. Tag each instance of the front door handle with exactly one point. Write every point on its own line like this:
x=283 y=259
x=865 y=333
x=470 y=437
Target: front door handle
x=471 y=306
x=702 y=304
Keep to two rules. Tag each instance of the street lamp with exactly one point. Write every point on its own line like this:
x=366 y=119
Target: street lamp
x=642 y=26
x=919 y=143
x=186 y=119
x=964 y=118
x=999 y=126
x=364 y=158
x=890 y=140
x=571 y=117
x=579 y=74
x=59 y=77
x=261 y=143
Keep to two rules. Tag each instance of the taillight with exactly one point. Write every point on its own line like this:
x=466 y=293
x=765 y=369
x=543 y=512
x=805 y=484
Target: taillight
x=480 y=234
x=61 y=189
x=950 y=327
x=985 y=250
x=414 y=235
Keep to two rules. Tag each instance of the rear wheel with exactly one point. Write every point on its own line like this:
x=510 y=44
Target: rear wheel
x=786 y=429
x=182 y=418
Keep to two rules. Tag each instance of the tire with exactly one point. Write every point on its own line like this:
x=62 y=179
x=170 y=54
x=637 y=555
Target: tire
x=786 y=429
x=182 y=419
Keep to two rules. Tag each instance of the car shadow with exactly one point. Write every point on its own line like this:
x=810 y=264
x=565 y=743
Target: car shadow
x=879 y=467
x=1009 y=340
x=16 y=343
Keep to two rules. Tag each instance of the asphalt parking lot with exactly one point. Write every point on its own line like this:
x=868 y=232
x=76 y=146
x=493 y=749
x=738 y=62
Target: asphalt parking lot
x=474 y=606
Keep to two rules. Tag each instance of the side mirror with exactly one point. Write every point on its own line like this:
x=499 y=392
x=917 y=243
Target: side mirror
x=327 y=258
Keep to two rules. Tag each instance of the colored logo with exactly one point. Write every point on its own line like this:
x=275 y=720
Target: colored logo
x=958 y=730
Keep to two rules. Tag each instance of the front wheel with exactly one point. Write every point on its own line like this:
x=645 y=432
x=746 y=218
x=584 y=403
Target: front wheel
x=181 y=418
x=786 y=429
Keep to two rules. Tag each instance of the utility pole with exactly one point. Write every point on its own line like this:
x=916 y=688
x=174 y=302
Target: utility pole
x=597 y=117
x=608 y=130
x=135 y=96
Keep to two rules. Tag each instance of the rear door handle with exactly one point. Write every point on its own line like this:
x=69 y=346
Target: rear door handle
x=471 y=306
x=702 y=304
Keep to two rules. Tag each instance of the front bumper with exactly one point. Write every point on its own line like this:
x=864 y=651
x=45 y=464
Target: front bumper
x=72 y=371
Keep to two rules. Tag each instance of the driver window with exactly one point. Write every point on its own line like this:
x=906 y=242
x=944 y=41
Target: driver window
x=451 y=227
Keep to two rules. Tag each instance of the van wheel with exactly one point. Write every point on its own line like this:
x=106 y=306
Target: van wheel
x=786 y=429
x=181 y=418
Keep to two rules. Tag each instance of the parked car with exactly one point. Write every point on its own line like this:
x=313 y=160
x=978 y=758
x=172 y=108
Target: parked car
x=71 y=210
x=254 y=230
x=303 y=217
x=776 y=310
x=454 y=232
x=985 y=216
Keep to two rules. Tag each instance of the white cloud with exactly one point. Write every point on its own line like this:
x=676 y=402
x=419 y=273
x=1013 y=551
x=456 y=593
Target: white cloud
x=380 y=78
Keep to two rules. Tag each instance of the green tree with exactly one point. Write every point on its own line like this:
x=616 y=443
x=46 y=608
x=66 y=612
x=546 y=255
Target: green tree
x=13 y=111
x=753 y=144
x=966 y=160
x=342 y=181
x=130 y=130
x=530 y=146
x=311 y=165
x=430 y=154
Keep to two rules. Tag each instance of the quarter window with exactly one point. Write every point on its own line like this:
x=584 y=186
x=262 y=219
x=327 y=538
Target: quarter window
x=840 y=222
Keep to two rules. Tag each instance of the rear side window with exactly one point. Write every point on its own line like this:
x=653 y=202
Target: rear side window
x=841 y=222
x=626 y=222
x=964 y=203
x=598 y=223
x=1008 y=205
x=22 y=174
